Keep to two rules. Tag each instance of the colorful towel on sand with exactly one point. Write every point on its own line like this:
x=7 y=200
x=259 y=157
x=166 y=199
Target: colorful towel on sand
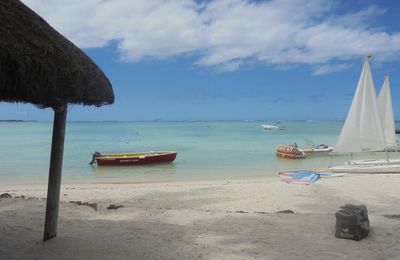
x=299 y=177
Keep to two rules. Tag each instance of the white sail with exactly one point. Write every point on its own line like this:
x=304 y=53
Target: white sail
x=386 y=112
x=363 y=129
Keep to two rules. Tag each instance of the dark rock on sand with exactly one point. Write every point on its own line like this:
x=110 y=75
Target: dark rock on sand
x=115 y=206
x=80 y=203
x=285 y=211
x=5 y=196
x=241 y=211
x=397 y=216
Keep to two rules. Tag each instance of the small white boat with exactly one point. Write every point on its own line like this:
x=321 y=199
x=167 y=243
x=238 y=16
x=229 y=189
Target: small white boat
x=322 y=148
x=272 y=127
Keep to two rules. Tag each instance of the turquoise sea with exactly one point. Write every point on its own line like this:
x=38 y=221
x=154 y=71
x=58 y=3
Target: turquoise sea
x=218 y=150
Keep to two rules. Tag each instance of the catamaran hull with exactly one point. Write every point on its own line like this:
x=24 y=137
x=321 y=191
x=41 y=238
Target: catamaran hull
x=388 y=168
x=374 y=162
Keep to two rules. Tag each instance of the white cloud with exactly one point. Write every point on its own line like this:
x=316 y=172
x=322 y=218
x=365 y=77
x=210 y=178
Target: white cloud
x=360 y=19
x=325 y=69
x=224 y=33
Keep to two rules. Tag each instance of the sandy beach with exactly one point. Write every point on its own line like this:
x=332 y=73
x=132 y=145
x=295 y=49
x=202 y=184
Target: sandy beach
x=199 y=104
x=219 y=219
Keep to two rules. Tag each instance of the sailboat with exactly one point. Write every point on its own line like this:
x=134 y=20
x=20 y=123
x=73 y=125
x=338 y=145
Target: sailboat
x=367 y=127
x=387 y=116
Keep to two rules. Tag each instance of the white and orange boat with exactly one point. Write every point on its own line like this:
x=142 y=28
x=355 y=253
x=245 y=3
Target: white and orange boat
x=112 y=159
x=289 y=151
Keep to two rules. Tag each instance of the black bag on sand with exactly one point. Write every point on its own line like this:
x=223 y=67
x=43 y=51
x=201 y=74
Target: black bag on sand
x=352 y=222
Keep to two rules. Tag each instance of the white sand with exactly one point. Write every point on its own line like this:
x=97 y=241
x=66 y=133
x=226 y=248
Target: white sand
x=203 y=220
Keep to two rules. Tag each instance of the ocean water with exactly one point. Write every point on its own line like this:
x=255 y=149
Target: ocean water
x=206 y=150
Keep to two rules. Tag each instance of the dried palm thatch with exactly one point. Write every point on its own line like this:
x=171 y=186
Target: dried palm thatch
x=40 y=66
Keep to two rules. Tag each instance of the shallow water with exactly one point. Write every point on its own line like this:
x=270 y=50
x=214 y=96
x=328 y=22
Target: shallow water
x=205 y=149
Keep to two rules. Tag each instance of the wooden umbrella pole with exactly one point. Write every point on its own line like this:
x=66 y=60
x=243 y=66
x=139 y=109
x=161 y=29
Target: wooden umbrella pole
x=54 y=184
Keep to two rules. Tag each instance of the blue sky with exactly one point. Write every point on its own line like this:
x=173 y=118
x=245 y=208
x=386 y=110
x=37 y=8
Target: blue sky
x=226 y=59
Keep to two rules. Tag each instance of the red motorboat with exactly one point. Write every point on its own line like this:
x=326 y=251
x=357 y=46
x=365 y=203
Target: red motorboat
x=289 y=151
x=108 y=159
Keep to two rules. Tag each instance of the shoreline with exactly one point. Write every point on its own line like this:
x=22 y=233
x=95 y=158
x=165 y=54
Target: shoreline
x=353 y=186
x=210 y=176
x=223 y=219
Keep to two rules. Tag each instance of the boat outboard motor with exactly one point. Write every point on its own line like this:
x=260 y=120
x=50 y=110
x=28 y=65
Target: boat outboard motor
x=95 y=154
x=352 y=222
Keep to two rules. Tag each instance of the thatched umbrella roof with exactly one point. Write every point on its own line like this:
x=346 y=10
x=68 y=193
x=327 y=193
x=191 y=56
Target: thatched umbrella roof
x=40 y=66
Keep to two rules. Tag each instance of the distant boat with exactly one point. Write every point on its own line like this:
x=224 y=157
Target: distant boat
x=272 y=127
x=369 y=126
x=109 y=159
x=289 y=151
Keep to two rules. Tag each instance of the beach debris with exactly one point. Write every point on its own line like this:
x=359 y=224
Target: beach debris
x=241 y=211
x=352 y=222
x=306 y=177
x=299 y=177
x=5 y=196
x=392 y=216
x=80 y=203
x=115 y=206
x=285 y=211
x=331 y=175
